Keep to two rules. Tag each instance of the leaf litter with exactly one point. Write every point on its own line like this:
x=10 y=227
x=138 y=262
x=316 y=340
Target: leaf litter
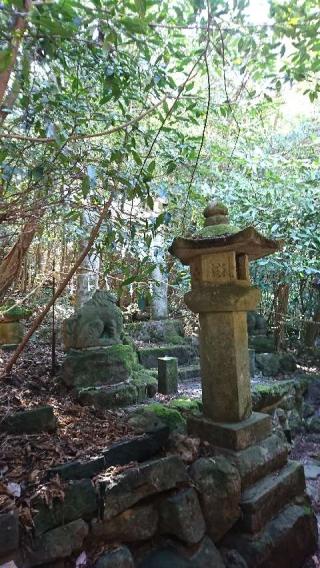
x=26 y=458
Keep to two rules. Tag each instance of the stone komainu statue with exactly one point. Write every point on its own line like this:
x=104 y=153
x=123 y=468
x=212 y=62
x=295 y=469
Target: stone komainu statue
x=97 y=324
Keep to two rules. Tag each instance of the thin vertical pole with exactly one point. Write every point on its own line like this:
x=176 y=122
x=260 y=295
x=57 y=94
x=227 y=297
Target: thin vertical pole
x=53 y=326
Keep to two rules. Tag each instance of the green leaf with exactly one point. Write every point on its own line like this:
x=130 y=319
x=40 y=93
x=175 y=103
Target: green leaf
x=5 y=59
x=85 y=186
x=150 y=201
x=141 y=6
x=134 y=25
x=151 y=167
x=171 y=166
x=136 y=157
x=37 y=173
x=159 y=221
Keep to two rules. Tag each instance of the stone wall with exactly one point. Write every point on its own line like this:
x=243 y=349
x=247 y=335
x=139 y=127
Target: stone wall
x=159 y=508
x=159 y=500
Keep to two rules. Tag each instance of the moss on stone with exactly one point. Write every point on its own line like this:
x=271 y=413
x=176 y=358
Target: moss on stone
x=124 y=354
x=163 y=331
x=127 y=340
x=267 y=389
x=145 y=376
x=9 y=346
x=100 y=397
x=169 y=416
x=101 y=366
x=212 y=231
x=13 y=312
x=268 y=363
x=33 y=421
x=148 y=356
x=174 y=339
x=146 y=382
x=186 y=405
x=262 y=343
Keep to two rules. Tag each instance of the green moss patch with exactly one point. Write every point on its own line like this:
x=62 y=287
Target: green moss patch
x=262 y=343
x=124 y=354
x=148 y=356
x=169 y=416
x=265 y=395
x=218 y=230
x=99 y=397
x=186 y=405
x=13 y=312
x=102 y=366
x=157 y=332
x=146 y=382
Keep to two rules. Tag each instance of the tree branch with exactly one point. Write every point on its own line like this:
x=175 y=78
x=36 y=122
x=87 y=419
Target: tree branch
x=19 y=28
x=77 y=137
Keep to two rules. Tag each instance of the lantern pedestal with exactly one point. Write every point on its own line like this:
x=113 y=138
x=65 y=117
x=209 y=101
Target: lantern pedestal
x=231 y=436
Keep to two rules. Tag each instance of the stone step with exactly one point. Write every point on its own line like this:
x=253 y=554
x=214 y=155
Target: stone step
x=189 y=372
x=148 y=356
x=257 y=461
x=285 y=542
x=263 y=500
x=127 y=393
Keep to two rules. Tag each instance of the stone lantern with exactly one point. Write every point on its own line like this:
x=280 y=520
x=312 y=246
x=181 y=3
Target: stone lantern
x=221 y=293
x=276 y=526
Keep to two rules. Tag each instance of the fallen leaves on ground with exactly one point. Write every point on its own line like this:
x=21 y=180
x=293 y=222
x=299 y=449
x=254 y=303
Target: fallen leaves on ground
x=25 y=459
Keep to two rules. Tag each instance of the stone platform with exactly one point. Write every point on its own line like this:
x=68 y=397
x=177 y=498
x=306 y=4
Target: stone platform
x=108 y=377
x=277 y=527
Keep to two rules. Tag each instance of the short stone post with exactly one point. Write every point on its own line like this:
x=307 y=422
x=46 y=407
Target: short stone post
x=167 y=375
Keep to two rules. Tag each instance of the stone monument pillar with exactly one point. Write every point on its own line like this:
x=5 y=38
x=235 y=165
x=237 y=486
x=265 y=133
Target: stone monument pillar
x=221 y=293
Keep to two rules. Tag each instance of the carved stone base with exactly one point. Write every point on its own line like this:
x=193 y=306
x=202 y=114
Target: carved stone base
x=233 y=436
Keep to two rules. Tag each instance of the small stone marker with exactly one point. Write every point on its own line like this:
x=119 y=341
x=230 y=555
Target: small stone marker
x=167 y=375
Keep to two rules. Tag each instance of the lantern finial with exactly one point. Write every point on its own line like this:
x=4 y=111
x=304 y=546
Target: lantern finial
x=217 y=220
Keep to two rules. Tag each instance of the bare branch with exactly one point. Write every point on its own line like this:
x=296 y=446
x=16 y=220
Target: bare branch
x=77 y=137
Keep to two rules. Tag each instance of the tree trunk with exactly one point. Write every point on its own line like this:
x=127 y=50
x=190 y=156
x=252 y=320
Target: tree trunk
x=159 y=296
x=12 y=263
x=281 y=310
x=312 y=329
x=88 y=273
x=18 y=29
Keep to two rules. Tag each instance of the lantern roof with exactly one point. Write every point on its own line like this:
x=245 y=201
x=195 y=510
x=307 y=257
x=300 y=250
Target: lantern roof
x=219 y=236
